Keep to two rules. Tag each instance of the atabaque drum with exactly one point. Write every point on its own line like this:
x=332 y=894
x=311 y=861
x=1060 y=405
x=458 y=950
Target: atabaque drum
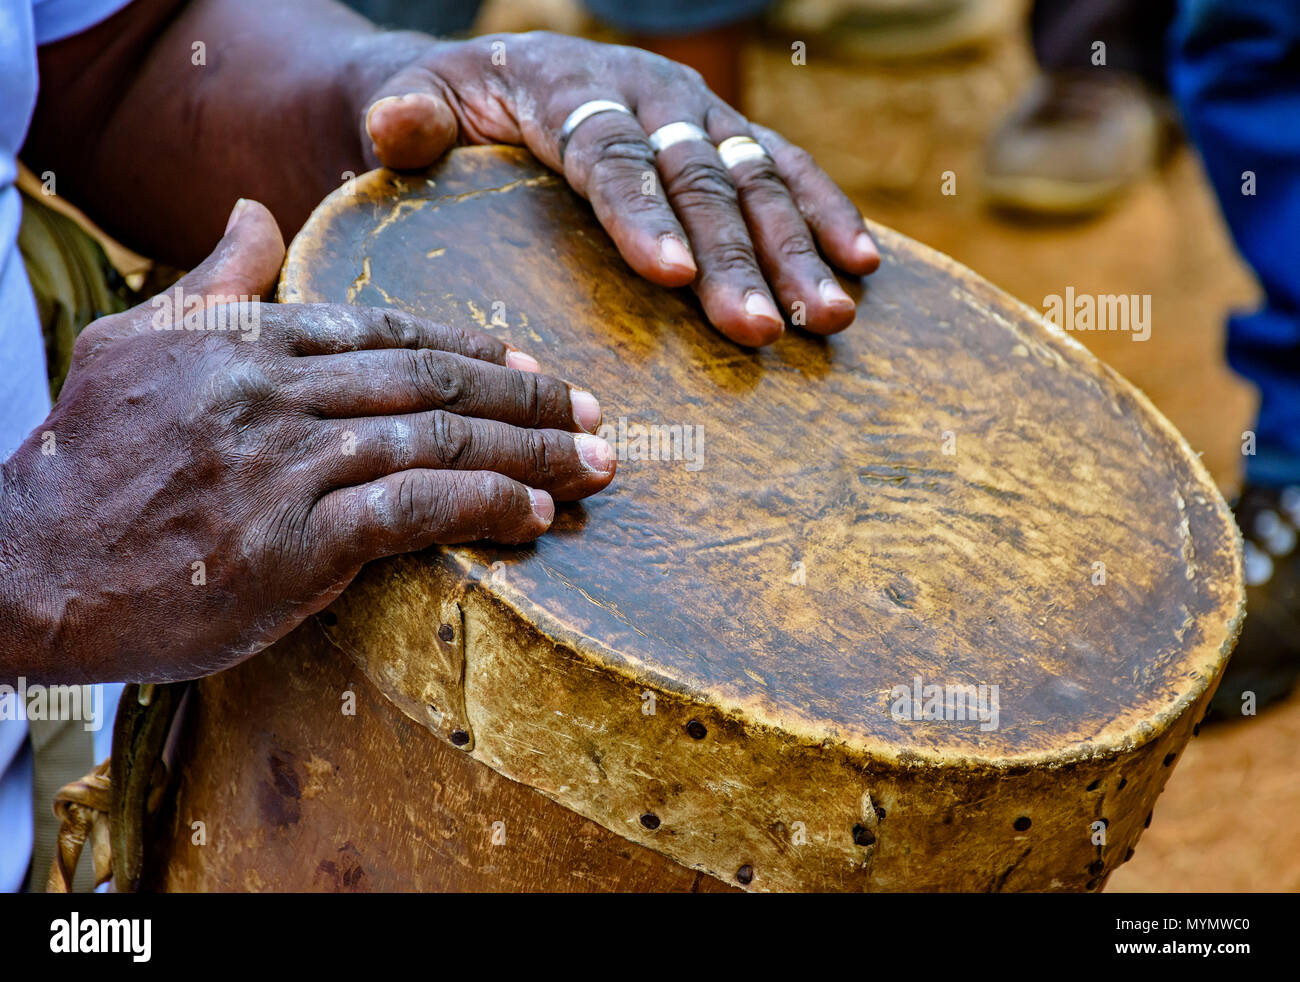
x=932 y=604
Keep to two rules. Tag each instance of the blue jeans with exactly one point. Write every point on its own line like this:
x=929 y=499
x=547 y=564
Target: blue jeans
x=1235 y=71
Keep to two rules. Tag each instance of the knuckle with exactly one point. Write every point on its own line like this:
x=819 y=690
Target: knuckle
x=551 y=401
x=394 y=328
x=471 y=343
x=617 y=151
x=686 y=75
x=703 y=182
x=273 y=324
x=495 y=493
x=436 y=376
x=299 y=326
x=765 y=186
x=412 y=506
x=478 y=345
x=796 y=245
x=242 y=394
x=451 y=438
x=260 y=453
x=538 y=451
x=529 y=396
x=733 y=256
x=625 y=199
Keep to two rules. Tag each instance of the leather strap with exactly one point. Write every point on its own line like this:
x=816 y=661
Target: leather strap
x=82 y=808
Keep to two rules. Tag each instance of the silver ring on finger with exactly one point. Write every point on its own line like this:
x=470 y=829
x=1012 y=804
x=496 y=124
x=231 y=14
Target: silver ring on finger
x=737 y=149
x=585 y=112
x=671 y=134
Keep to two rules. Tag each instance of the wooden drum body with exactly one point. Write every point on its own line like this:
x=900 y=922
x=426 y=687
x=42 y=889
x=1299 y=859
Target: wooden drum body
x=722 y=670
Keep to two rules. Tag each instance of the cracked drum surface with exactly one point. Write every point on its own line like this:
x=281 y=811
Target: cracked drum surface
x=698 y=675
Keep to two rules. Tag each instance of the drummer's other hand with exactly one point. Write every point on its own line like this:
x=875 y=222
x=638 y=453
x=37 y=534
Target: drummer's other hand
x=198 y=490
x=742 y=237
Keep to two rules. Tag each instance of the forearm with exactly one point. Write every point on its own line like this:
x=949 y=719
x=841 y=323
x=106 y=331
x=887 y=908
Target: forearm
x=157 y=148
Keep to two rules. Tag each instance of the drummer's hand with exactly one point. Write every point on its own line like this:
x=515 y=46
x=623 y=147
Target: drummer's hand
x=738 y=236
x=195 y=494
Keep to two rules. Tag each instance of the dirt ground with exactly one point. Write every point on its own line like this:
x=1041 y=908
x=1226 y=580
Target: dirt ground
x=887 y=133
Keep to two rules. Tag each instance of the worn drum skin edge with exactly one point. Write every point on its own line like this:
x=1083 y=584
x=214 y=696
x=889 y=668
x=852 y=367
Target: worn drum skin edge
x=540 y=704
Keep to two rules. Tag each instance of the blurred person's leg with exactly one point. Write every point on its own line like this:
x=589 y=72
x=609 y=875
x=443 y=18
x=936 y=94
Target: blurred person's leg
x=1093 y=124
x=1236 y=76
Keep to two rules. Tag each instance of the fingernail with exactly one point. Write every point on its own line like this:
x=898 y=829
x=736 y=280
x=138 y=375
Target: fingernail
x=833 y=294
x=521 y=362
x=596 y=453
x=864 y=246
x=759 y=306
x=238 y=210
x=673 y=252
x=543 y=505
x=586 y=410
x=370 y=113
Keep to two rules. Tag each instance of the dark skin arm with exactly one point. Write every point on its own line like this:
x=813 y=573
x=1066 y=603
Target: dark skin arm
x=195 y=494
x=294 y=95
x=158 y=149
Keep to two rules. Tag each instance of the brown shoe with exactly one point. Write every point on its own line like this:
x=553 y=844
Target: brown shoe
x=1075 y=143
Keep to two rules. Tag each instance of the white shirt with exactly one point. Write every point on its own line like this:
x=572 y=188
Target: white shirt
x=24 y=390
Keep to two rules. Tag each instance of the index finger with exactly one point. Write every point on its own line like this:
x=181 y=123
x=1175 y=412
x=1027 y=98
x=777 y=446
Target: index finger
x=335 y=329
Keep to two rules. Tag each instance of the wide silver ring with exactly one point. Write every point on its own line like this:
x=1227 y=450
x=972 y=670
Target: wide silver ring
x=584 y=113
x=671 y=134
x=737 y=149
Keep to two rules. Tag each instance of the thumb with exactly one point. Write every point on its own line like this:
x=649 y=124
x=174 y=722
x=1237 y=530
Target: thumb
x=408 y=124
x=247 y=259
